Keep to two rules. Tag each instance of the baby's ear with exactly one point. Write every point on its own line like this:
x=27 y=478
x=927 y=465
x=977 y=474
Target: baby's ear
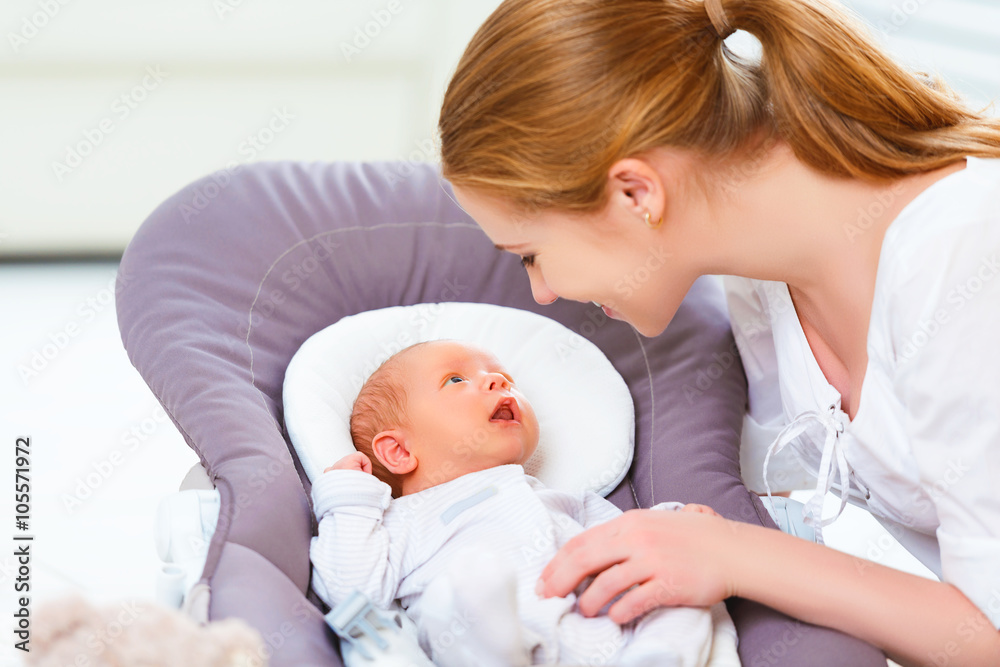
x=392 y=449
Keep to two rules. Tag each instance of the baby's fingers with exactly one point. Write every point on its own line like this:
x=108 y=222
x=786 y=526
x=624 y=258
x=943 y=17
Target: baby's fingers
x=699 y=509
x=356 y=461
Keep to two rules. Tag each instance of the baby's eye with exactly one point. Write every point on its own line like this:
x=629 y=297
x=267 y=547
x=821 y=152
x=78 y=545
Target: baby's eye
x=528 y=260
x=455 y=378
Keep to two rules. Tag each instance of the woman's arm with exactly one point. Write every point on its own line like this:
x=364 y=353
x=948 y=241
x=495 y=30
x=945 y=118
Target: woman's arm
x=695 y=560
x=916 y=621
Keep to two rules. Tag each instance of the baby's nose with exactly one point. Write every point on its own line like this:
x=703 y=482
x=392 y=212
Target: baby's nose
x=494 y=381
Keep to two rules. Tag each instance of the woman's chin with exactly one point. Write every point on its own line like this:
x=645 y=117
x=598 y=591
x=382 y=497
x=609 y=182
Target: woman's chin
x=649 y=329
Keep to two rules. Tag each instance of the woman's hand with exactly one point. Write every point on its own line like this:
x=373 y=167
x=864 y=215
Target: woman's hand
x=356 y=461
x=672 y=559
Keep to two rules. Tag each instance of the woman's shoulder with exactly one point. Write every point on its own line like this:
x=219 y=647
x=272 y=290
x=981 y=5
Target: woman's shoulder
x=939 y=269
x=954 y=219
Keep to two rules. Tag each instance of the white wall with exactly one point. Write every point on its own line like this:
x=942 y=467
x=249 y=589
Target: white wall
x=959 y=39
x=225 y=70
x=71 y=71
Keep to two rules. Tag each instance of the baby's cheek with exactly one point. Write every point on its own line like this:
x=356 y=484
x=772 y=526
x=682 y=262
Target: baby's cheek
x=532 y=428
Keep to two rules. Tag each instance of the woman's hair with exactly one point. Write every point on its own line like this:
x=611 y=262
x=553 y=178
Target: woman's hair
x=381 y=405
x=549 y=94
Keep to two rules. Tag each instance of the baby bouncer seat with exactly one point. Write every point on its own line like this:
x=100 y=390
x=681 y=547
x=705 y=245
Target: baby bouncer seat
x=227 y=278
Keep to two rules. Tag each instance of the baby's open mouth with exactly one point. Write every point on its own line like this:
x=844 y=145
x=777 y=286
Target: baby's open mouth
x=506 y=410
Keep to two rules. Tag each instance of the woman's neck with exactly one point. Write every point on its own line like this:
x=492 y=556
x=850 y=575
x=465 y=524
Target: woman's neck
x=820 y=235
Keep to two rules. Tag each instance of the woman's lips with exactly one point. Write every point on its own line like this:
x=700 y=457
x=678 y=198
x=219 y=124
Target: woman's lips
x=607 y=311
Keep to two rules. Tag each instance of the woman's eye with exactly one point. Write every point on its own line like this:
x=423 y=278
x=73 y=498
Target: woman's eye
x=528 y=260
x=455 y=378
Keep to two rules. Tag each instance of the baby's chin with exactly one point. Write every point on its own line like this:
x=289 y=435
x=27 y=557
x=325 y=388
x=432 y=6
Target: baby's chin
x=528 y=452
x=518 y=457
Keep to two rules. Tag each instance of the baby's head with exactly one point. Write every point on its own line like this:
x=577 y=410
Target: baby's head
x=439 y=410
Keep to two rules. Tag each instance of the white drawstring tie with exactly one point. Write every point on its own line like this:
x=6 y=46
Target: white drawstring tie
x=832 y=422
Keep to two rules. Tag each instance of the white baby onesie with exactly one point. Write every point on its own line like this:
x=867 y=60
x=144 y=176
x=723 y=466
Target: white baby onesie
x=394 y=549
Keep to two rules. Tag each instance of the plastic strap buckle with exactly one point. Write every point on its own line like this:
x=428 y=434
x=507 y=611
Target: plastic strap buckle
x=356 y=618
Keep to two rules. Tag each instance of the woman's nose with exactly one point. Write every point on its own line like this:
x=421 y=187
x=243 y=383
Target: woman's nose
x=543 y=295
x=494 y=381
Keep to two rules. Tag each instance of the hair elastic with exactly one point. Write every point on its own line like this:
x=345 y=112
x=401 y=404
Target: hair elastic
x=717 y=15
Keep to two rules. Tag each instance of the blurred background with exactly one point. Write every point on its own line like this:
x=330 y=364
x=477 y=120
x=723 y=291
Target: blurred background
x=110 y=106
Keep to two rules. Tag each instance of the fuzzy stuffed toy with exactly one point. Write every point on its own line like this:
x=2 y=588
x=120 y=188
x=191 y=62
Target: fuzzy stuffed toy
x=73 y=632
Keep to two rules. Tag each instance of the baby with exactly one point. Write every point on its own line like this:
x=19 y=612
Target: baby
x=434 y=509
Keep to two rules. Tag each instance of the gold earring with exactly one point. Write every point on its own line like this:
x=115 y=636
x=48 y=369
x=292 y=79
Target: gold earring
x=651 y=225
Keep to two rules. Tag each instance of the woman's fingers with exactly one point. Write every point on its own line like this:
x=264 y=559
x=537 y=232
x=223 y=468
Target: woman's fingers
x=608 y=584
x=672 y=558
x=588 y=553
x=641 y=600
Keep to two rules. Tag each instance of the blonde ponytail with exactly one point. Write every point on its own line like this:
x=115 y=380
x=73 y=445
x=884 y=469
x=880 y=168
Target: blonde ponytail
x=550 y=93
x=845 y=107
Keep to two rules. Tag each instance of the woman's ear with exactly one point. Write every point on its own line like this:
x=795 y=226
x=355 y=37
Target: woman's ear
x=637 y=186
x=394 y=452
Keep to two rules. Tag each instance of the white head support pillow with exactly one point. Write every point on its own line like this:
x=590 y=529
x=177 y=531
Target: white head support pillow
x=585 y=414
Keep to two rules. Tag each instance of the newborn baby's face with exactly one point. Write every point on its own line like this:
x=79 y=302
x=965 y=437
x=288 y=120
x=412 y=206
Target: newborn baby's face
x=464 y=409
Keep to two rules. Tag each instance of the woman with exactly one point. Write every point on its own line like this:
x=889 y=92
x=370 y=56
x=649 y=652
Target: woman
x=859 y=206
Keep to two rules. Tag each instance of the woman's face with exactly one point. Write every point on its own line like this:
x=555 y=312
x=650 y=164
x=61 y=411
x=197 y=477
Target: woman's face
x=611 y=258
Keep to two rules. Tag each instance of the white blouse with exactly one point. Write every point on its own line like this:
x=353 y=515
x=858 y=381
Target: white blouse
x=923 y=451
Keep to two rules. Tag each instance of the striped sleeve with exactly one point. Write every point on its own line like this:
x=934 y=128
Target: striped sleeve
x=352 y=551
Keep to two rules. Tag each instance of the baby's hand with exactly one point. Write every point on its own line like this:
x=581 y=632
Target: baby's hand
x=699 y=509
x=356 y=461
